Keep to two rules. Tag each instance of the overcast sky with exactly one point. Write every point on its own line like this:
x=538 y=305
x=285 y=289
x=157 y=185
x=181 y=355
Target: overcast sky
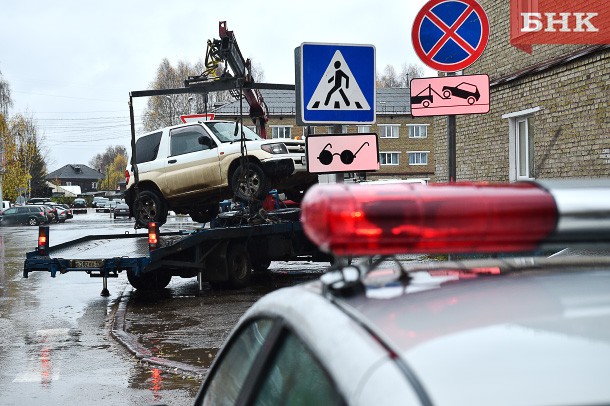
x=71 y=64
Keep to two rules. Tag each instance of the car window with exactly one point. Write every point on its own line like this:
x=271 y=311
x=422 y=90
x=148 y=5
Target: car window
x=295 y=377
x=235 y=364
x=147 y=147
x=225 y=132
x=12 y=210
x=185 y=140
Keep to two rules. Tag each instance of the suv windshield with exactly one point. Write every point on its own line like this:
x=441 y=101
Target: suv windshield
x=225 y=132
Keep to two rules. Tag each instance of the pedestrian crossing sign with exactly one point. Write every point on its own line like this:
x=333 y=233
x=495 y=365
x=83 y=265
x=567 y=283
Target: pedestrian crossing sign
x=335 y=84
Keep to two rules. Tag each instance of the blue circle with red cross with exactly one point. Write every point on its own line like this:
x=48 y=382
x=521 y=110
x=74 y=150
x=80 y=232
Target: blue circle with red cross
x=449 y=35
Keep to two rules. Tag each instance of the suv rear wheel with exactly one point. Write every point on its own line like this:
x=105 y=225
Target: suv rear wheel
x=206 y=214
x=251 y=183
x=149 y=207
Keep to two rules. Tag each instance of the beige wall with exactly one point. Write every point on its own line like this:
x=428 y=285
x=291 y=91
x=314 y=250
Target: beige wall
x=568 y=105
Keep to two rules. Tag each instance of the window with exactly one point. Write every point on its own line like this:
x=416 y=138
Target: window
x=330 y=129
x=233 y=369
x=525 y=148
x=521 y=144
x=389 y=158
x=68 y=183
x=418 y=130
x=313 y=131
x=364 y=128
x=281 y=132
x=388 y=130
x=295 y=377
x=418 y=158
x=186 y=140
x=147 y=147
x=93 y=185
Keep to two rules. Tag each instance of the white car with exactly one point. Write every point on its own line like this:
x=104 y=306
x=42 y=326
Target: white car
x=190 y=168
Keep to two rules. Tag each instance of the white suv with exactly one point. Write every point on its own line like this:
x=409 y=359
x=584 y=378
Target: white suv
x=190 y=168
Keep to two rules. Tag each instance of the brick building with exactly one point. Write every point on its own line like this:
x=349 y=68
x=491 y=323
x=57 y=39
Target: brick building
x=549 y=114
x=406 y=144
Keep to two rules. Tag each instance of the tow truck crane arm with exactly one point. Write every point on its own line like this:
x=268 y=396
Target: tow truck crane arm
x=226 y=50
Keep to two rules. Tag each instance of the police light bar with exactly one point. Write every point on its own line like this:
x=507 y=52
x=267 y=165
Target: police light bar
x=386 y=219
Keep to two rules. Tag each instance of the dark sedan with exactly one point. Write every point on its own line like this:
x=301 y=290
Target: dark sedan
x=121 y=210
x=32 y=215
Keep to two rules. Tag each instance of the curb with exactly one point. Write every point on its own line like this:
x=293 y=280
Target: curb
x=132 y=344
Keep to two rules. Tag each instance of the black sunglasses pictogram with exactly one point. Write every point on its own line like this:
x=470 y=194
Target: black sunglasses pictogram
x=347 y=156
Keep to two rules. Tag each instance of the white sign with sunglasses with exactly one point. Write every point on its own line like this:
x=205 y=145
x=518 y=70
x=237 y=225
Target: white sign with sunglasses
x=342 y=153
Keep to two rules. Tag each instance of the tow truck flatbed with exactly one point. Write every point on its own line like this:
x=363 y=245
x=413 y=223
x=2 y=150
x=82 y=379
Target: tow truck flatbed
x=223 y=255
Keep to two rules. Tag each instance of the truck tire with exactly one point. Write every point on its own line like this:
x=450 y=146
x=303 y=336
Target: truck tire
x=149 y=281
x=238 y=266
x=251 y=185
x=261 y=265
x=149 y=208
x=206 y=214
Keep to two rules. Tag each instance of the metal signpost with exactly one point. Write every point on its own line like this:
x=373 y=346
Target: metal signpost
x=449 y=35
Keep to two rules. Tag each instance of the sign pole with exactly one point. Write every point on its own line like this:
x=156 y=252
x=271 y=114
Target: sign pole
x=451 y=143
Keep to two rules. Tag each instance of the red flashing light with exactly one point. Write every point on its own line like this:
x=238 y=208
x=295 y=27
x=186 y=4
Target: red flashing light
x=436 y=218
x=153 y=236
x=43 y=240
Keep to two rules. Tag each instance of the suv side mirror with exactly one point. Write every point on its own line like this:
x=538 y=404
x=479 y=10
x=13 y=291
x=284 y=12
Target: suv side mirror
x=206 y=141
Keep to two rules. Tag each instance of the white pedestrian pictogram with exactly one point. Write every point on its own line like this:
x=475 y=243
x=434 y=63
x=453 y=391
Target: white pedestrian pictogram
x=338 y=89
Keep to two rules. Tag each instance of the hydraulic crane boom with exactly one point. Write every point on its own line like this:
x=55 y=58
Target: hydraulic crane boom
x=225 y=50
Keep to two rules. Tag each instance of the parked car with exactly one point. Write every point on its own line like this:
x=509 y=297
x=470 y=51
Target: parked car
x=191 y=168
x=51 y=213
x=30 y=214
x=69 y=213
x=79 y=203
x=390 y=329
x=102 y=207
x=121 y=210
x=97 y=201
x=38 y=200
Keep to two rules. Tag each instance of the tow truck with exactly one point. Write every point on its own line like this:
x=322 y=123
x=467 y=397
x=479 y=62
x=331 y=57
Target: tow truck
x=223 y=254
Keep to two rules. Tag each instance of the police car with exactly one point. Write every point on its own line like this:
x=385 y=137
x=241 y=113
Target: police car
x=478 y=328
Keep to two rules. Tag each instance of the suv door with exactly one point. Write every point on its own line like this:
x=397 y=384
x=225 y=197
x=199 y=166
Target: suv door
x=191 y=167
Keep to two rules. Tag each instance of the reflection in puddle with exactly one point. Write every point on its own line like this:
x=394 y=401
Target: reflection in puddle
x=156 y=381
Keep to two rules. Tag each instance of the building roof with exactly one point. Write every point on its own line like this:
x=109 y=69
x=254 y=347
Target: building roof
x=390 y=100
x=75 y=171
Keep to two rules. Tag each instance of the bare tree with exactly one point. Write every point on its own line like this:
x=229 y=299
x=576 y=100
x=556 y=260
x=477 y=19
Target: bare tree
x=389 y=77
x=5 y=96
x=410 y=71
x=103 y=161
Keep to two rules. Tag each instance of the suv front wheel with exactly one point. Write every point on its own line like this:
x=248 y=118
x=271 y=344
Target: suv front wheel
x=250 y=183
x=149 y=208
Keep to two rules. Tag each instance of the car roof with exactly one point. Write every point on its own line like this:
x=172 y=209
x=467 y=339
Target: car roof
x=453 y=327
x=535 y=334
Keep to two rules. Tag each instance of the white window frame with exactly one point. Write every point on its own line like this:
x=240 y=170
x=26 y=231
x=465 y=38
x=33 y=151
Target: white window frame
x=383 y=129
x=313 y=131
x=283 y=132
x=412 y=133
x=418 y=154
x=364 y=129
x=390 y=153
x=68 y=183
x=514 y=155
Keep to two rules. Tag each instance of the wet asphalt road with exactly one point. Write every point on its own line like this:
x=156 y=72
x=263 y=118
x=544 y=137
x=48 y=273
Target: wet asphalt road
x=55 y=341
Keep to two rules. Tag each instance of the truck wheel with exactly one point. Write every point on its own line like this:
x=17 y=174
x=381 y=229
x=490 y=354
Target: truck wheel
x=261 y=266
x=206 y=214
x=149 y=208
x=250 y=184
x=238 y=266
x=33 y=221
x=149 y=281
